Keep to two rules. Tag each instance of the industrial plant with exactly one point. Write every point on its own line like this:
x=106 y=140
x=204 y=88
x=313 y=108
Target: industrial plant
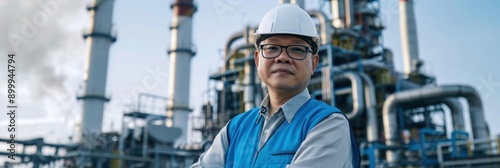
x=398 y=117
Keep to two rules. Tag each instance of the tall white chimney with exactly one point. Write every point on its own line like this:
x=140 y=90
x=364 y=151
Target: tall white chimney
x=99 y=39
x=409 y=41
x=180 y=52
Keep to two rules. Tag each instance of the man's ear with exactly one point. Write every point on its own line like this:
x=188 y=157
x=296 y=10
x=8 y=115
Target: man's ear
x=256 y=57
x=315 y=60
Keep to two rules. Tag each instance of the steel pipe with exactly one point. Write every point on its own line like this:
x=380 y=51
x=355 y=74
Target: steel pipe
x=357 y=93
x=456 y=111
x=426 y=96
x=326 y=29
x=371 y=110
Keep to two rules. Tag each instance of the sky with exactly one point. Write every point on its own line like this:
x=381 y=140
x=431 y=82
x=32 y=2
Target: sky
x=458 y=42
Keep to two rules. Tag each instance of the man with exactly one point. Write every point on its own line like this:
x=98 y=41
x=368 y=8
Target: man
x=289 y=129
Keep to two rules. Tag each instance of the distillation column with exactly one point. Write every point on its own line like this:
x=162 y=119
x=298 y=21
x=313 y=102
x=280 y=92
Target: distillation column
x=99 y=39
x=408 y=36
x=180 y=52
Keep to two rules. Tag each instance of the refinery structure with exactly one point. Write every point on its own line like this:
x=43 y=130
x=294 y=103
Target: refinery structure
x=398 y=117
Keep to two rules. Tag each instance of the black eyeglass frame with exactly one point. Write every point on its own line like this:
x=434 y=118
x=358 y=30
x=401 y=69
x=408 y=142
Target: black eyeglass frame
x=261 y=47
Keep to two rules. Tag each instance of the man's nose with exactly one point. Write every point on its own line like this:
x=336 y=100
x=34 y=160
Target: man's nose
x=283 y=57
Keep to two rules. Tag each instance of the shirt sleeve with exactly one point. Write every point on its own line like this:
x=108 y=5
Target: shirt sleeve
x=328 y=144
x=215 y=156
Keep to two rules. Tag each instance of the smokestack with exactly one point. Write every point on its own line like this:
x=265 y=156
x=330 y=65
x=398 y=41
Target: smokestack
x=408 y=36
x=99 y=38
x=180 y=53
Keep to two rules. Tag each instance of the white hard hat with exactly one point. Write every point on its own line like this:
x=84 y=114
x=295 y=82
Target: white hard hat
x=288 y=19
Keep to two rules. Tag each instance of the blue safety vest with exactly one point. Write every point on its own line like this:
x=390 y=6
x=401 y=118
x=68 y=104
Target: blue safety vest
x=244 y=133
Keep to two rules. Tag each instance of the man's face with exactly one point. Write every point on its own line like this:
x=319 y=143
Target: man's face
x=284 y=73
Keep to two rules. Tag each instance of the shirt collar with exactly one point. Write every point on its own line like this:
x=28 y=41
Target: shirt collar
x=290 y=107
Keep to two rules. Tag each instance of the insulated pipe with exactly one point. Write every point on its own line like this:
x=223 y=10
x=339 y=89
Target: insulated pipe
x=455 y=107
x=180 y=53
x=456 y=111
x=408 y=36
x=99 y=39
x=230 y=42
x=326 y=29
x=425 y=96
x=357 y=93
x=233 y=51
x=355 y=65
x=371 y=110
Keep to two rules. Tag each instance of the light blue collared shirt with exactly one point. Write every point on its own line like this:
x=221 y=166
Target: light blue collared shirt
x=328 y=144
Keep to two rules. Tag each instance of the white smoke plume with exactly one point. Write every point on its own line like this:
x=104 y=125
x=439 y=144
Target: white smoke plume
x=46 y=37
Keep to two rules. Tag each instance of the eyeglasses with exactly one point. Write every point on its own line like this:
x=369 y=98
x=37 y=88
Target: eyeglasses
x=297 y=52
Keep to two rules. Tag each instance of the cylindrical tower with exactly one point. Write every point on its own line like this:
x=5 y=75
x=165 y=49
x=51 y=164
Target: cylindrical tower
x=409 y=41
x=99 y=39
x=181 y=51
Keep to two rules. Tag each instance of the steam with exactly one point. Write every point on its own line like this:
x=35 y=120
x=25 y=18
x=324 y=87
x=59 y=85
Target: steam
x=46 y=37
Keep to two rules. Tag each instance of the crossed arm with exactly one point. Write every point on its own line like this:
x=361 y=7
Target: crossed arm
x=328 y=144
